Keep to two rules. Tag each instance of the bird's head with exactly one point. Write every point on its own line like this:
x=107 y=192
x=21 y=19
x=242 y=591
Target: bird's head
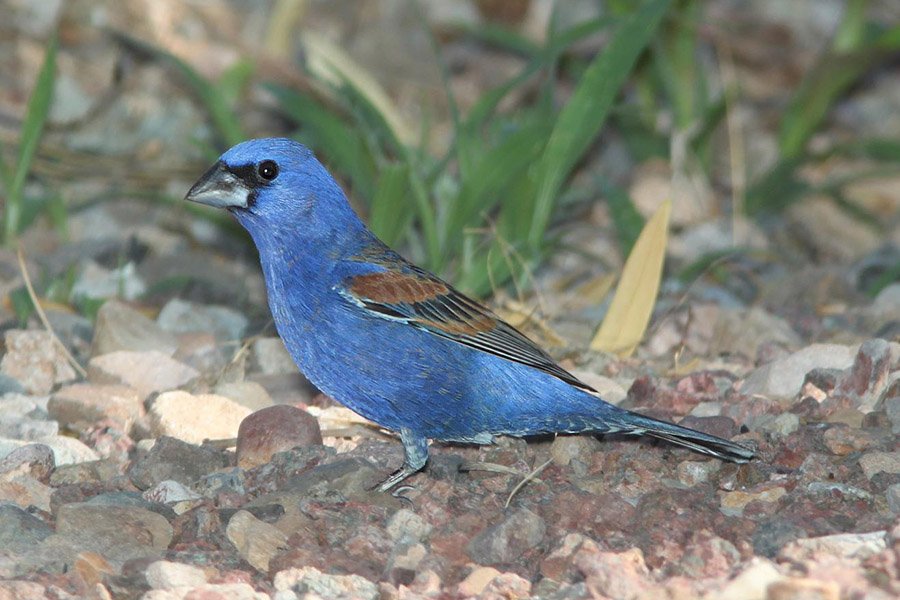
x=273 y=184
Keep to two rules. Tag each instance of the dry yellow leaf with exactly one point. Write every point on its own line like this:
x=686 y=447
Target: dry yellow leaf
x=631 y=307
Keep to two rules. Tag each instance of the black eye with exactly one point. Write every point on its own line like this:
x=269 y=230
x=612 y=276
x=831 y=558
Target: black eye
x=267 y=169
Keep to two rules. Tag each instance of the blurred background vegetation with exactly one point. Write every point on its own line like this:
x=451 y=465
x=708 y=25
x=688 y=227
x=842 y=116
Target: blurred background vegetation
x=471 y=134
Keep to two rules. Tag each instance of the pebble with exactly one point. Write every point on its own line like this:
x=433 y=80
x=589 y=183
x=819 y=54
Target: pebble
x=783 y=378
x=892 y=494
x=693 y=473
x=20 y=530
x=803 y=588
x=120 y=327
x=405 y=526
x=517 y=533
x=856 y=546
x=269 y=356
x=733 y=503
x=25 y=491
x=181 y=316
x=309 y=580
x=118 y=533
x=35 y=360
x=171 y=458
x=80 y=406
x=194 y=418
x=246 y=393
x=476 y=581
x=274 y=429
x=209 y=591
x=165 y=575
x=616 y=574
x=873 y=463
x=147 y=372
x=750 y=584
x=35 y=460
x=256 y=541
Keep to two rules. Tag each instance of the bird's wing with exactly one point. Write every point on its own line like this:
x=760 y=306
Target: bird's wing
x=415 y=297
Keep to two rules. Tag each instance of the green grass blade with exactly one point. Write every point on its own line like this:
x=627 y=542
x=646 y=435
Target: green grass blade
x=389 y=214
x=584 y=115
x=32 y=127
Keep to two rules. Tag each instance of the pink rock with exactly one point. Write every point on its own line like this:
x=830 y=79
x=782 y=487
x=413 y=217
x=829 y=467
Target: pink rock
x=147 y=372
x=274 y=429
x=80 y=405
x=34 y=359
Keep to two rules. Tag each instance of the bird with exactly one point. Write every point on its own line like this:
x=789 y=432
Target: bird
x=391 y=341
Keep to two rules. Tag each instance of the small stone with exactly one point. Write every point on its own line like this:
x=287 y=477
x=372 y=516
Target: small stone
x=120 y=327
x=256 y=541
x=779 y=425
x=476 y=581
x=209 y=591
x=26 y=491
x=80 y=406
x=20 y=530
x=147 y=372
x=22 y=590
x=893 y=498
x=579 y=448
x=405 y=526
x=35 y=360
x=170 y=492
x=892 y=409
x=873 y=463
x=91 y=569
x=842 y=440
x=309 y=580
x=802 y=588
x=865 y=381
x=194 y=418
x=275 y=429
x=69 y=451
x=519 y=532
x=95 y=281
x=856 y=546
x=180 y=316
x=752 y=583
x=246 y=393
x=9 y=385
x=171 y=458
x=166 y=575
x=118 y=533
x=35 y=460
x=616 y=574
x=783 y=378
x=269 y=356
x=733 y=503
x=691 y=472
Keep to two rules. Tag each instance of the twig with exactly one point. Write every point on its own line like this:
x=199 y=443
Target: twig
x=526 y=479
x=43 y=316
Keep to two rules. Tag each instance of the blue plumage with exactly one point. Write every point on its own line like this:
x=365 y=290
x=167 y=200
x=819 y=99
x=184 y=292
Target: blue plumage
x=389 y=340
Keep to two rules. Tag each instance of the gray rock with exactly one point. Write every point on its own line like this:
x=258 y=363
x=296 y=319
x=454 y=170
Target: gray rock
x=35 y=460
x=873 y=463
x=246 y=393
x=310 y=582
x=119 y=533
x=25 y=428
x=120 y=327
x=405 y=526
x=171 y=458
x=95 y=281
x=505 y=542
x=269 y=356
x=180 y=316
x=892 y=409
x=893 y=498
x=19 y=530
x=783 y=378
x=10 y=385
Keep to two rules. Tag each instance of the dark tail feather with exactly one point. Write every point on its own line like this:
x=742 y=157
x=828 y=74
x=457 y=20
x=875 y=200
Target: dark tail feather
x=690 y=438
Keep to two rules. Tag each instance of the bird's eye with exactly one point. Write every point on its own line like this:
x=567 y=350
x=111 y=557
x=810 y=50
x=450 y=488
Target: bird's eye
x=267 y=169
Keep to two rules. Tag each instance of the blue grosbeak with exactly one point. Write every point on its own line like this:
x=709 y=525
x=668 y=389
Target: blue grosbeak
x=391 y=341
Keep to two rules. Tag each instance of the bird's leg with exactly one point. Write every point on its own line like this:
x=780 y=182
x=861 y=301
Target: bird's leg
x=415 y=448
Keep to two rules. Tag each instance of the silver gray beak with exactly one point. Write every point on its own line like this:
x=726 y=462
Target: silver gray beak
x=220 y=188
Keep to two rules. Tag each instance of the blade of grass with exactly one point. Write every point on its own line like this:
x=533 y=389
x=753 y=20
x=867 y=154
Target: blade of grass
x=32 y=127
x=585 y=113
x=389 y=215
x=629 y=313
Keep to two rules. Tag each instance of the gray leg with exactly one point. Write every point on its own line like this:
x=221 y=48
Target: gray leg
x=415 y=449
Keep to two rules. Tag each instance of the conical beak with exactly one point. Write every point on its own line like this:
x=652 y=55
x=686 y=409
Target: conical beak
x=220 y=188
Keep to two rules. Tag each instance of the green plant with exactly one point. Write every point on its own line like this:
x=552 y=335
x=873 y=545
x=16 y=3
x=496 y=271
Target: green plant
x=17 y=212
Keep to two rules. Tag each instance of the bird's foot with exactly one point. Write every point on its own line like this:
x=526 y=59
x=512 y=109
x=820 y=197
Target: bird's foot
x=395 y=478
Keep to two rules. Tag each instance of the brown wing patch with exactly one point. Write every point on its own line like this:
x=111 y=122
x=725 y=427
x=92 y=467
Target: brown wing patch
x=392 y=288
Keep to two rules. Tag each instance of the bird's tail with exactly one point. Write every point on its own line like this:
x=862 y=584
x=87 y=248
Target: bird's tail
x=689 y=438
